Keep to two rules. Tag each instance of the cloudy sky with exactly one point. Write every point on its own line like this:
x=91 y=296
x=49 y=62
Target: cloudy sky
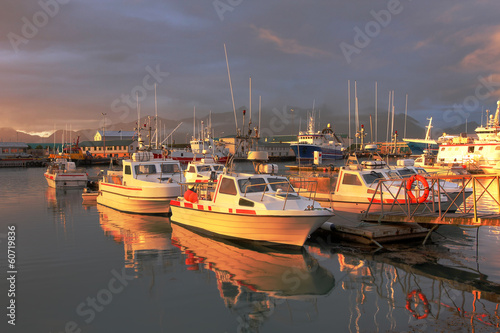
x=68 y=61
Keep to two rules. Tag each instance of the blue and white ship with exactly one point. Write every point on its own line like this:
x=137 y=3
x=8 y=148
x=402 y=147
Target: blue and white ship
x=325 y=141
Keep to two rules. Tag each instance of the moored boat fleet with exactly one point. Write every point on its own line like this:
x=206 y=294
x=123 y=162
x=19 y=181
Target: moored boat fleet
x=209 y=196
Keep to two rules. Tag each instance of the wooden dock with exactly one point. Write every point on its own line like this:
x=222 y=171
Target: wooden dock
x=435 y=218
x=348 y=226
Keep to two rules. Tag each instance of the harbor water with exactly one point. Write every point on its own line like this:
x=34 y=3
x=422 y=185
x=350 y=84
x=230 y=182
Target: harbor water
x=88 y=268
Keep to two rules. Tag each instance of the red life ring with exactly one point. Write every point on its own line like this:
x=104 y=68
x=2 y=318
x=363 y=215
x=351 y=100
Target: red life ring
x=409 y=183
x=422 y=297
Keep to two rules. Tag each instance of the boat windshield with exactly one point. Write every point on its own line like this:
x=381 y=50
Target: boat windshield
x=373 y=177
x=145 y=169
x=252 y=185
x=393 y=175
x=422 y=171
x=405 y=172
x=218 y=167
x=204 y=168
x=280 y=183
x=169 y=168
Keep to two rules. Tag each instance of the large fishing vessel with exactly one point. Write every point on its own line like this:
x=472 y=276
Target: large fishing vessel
x=325 y=141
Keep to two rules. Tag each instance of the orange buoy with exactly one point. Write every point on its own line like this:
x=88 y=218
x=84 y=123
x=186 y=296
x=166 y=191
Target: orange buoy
x=423 y=181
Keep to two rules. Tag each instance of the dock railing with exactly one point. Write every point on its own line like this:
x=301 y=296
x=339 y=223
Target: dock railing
x=443 y=202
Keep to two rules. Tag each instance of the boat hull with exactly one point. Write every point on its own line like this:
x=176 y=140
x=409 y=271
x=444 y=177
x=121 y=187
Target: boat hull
x=305 y=152
x=77 y=180
x=141 y=200
x=273 y=227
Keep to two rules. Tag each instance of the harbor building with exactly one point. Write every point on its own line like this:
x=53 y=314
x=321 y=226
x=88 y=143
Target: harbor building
x=114 y=135
x=114 y=148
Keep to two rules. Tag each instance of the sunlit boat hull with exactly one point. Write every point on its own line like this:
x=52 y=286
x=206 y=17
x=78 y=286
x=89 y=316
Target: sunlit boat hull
x=142 y=200
x=66 y=180
x=274 y=227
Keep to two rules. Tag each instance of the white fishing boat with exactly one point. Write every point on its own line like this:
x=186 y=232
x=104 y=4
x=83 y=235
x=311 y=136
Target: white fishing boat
x=357 y=187
x=145 y=185
x=62 y=173
x=482 y=153
x=253 y=207
x=203 y=171
x=202 y=146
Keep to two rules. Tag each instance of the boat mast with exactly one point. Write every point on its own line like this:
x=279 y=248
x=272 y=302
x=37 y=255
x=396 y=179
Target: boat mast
x=156 y=121
x=260 y=109
x=376 y=115
x=406 y=115
x=388 y=116
x=231 y=87
x=250 y=107
x=349 y=107
x=356 y=115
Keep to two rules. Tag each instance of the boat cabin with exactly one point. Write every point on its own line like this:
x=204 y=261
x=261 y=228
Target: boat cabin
x=144 y=167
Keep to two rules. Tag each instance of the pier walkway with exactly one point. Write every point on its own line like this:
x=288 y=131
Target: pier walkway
x=479 y=208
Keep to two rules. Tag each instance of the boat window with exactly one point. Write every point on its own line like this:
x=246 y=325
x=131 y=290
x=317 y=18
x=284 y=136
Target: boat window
x=421 y=171
x=251 y=185
x=145 y=169
x=280 y=183
x=350 y=179
x=481 y=148
x=497 y=148
x=227 y=186
x=169 y=168
x=191 y=169
x=203 y=168
x=372 y=177
x=442 y=149
x=471 y=149
x=405 y=173
x=218 y=167
x=393 y=175
x=128 y=171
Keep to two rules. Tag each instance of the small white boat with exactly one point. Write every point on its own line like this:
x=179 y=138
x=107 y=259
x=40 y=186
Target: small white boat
x=203 y=171
x=260 y=208
x=64 y=174
x=357 y=188
x=145 y=185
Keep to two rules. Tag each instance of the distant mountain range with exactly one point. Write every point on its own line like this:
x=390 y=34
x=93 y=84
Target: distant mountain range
x=273 y=123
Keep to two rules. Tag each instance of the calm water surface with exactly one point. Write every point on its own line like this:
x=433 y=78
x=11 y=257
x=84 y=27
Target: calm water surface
x=94 y=269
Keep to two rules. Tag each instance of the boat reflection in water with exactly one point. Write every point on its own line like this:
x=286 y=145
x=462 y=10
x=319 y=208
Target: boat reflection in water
x=412 y=289
x=146 y=239
x=255 y=281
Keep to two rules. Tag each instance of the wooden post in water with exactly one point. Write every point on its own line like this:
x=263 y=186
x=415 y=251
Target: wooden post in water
x=474 y=197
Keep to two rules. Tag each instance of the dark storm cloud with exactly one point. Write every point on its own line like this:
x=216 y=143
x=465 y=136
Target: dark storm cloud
x=90 y=56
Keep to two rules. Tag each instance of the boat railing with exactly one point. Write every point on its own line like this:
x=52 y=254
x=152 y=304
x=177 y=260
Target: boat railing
x=483 y=186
